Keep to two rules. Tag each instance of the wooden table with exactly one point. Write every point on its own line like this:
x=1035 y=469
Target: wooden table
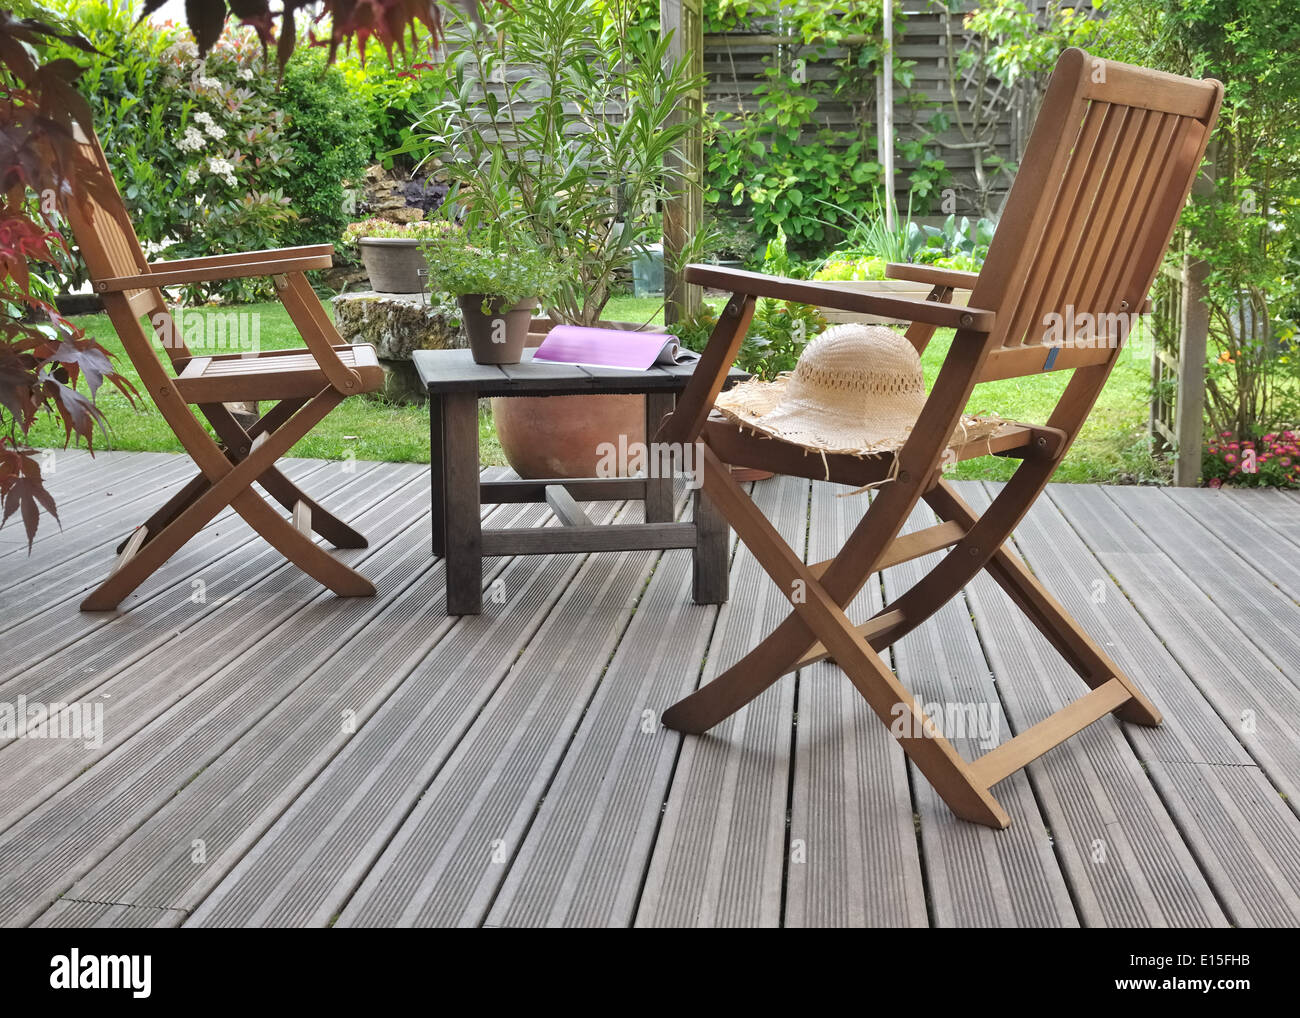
x=456 y=383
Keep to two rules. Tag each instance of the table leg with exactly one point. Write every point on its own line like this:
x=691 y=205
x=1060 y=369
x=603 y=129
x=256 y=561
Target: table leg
x=712 y=543
x=658 y=490
x=437 y=466
x=460 y=478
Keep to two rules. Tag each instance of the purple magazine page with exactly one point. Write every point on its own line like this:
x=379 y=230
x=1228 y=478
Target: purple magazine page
x=609 y=348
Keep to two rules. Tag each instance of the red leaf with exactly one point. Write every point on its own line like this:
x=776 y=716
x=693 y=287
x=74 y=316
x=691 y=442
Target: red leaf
x=24 y=490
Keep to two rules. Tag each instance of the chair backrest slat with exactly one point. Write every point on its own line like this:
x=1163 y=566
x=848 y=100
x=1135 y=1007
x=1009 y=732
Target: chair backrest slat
x=110 y=247
x=1107 y=169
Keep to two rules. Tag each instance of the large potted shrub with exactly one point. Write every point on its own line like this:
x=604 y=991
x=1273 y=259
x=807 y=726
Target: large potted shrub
x=392 y=254
x=571 y=146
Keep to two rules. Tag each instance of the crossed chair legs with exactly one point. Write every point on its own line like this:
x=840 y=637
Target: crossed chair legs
x=246 y=456
x=818 y=628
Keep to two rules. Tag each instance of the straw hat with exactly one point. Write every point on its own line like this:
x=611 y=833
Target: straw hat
x=857 y=389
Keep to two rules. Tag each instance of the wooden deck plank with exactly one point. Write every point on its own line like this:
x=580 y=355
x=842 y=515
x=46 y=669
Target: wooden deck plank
x=192 y=707
x=854 y=860
x=1196 y=659
x=1231 y=670
x=70 y=913
x=1259 y=526
x=583 y=858
x=223 y=723
x=110 y=511
x=303 y=871
x=977 y=877
x=445 y=863
x=232 y=802
x=115 y=663
x=76 y=474
x=46 y=600
x=1122 y=855
x=719 y=858
x=1221 y=567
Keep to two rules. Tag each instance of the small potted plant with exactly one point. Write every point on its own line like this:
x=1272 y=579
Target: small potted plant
x=497 y=279
x=391 y=251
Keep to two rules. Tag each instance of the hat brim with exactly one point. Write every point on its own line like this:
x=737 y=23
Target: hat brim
x=880 y=428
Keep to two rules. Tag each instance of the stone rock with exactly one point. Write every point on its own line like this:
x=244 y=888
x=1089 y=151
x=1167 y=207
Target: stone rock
x=401 y=384
x=403 y=215
x=397 y=324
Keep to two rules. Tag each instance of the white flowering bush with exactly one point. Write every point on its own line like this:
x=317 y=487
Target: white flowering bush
x=207 y=152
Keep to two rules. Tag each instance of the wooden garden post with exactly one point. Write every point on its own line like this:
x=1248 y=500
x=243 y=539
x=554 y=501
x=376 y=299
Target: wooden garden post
x=684 y=212
x=885 y=112
x=1189 y=406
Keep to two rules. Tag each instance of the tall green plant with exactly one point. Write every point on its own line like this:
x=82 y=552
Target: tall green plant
x=778 y=157
x=558 y=120
x=1246 y=227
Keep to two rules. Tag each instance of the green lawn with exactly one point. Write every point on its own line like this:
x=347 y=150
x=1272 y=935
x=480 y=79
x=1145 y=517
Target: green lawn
x=1112 y=446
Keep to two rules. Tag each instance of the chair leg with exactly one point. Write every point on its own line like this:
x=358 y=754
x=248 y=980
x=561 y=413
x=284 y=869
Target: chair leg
x=170 y=509
x=233 y=488
x=279 y=487
x=323 y=522
x=933 y=755
x=299 y=549
x=780 y=651
x=1051 y=619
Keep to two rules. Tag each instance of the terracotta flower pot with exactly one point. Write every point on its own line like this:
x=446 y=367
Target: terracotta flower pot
x=498 y=336
x=557 y=436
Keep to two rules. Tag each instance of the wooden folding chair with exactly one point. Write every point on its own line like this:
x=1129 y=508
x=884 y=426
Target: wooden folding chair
x=1111 y=160
x=306 y=383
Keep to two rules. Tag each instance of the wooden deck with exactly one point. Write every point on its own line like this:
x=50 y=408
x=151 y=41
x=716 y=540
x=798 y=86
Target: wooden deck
x=274 y=756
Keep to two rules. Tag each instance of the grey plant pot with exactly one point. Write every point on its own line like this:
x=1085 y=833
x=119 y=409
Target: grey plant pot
x=394 y=264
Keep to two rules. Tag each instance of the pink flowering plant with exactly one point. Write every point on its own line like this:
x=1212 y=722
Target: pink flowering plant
x=1270 y=460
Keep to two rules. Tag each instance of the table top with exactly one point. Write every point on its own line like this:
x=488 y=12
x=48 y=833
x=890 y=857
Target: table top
x=444 y=371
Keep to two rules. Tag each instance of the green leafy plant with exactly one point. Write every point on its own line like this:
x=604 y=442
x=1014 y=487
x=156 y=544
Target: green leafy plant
x=774 y=160
x=999 y=57
x=329 y=131
x=777 y=335
x=497 y=264
x=420 y=229
x=586 y=194
x=43 y=356
x=872 y=244
x=956 y=244
x=218 y=153
x=1245 y=227
x=779 y=332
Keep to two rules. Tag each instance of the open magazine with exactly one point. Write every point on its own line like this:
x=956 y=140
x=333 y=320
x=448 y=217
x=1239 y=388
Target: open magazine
x=611 y=348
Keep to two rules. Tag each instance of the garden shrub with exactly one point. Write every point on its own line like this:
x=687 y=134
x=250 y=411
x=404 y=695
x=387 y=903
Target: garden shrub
x=1246 y=226
x=208 y=153
x=588 y=197
x=393 y=99
x=329 y=132
x=1270 y=460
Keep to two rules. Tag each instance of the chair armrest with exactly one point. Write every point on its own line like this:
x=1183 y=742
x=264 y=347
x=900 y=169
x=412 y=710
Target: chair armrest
x=238 y=267
x=316 y=329
x=756 y=284
x=239 y=257
x=930 y=274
